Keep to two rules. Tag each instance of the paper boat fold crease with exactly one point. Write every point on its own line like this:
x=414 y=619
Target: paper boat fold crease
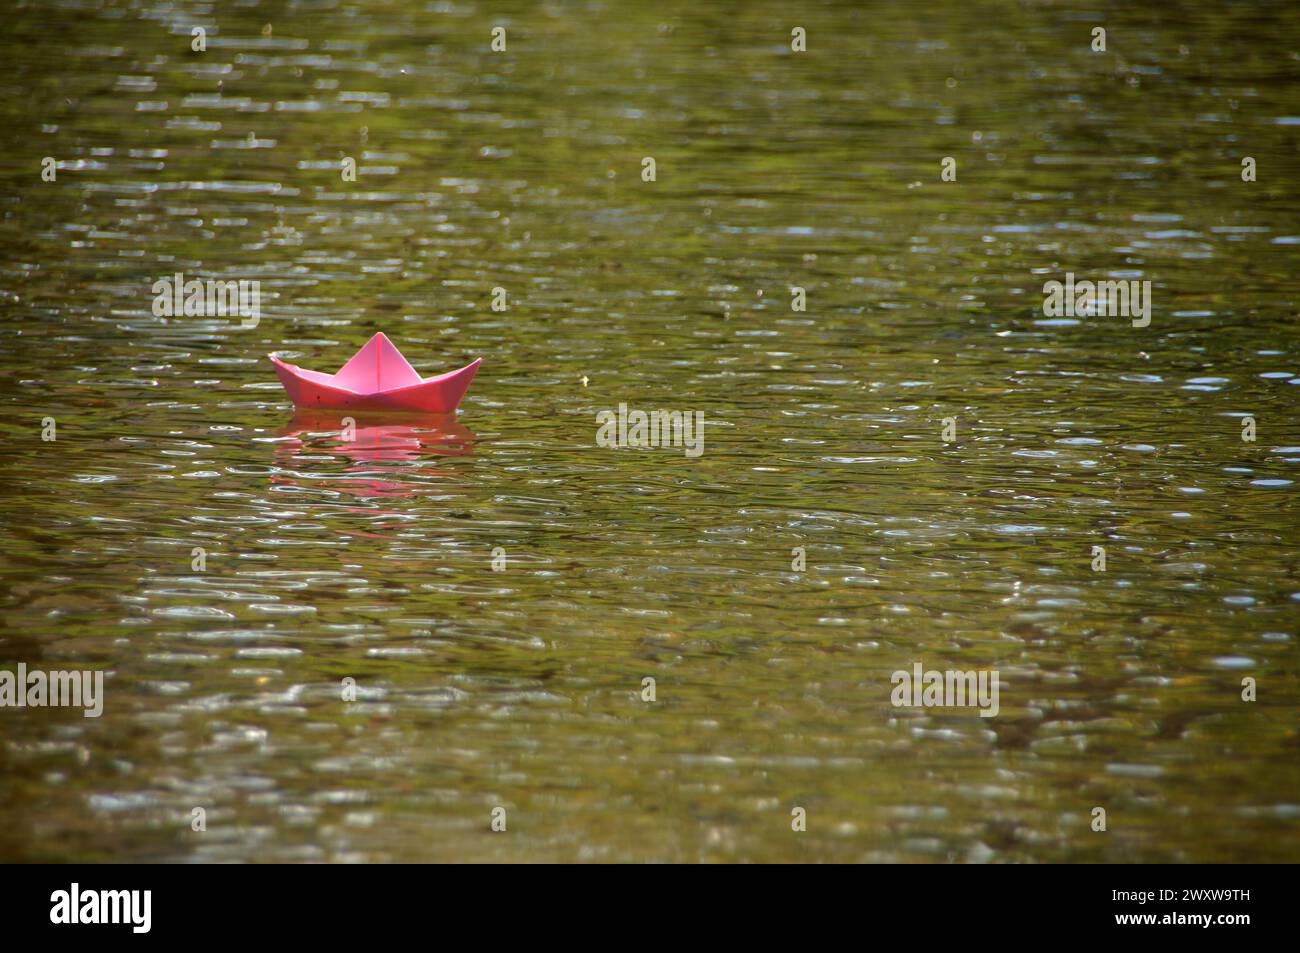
x=377 y=377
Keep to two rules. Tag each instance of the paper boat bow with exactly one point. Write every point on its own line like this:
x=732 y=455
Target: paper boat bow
x=377 y=377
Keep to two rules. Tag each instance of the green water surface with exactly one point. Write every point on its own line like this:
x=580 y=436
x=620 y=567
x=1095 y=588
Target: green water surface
x=523 y=688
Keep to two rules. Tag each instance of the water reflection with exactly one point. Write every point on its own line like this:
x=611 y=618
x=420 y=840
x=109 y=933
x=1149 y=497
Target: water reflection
x=397 y=441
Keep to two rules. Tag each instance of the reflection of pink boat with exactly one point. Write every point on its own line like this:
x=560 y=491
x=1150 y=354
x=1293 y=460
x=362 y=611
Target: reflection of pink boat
x=372 y=439
x=381 y=441
x=377 y=377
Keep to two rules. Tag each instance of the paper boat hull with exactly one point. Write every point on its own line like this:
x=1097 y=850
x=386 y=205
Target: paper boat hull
x=437 y=395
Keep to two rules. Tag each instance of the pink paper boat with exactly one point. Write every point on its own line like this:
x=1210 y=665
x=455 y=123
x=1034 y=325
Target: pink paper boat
x=377 y=378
